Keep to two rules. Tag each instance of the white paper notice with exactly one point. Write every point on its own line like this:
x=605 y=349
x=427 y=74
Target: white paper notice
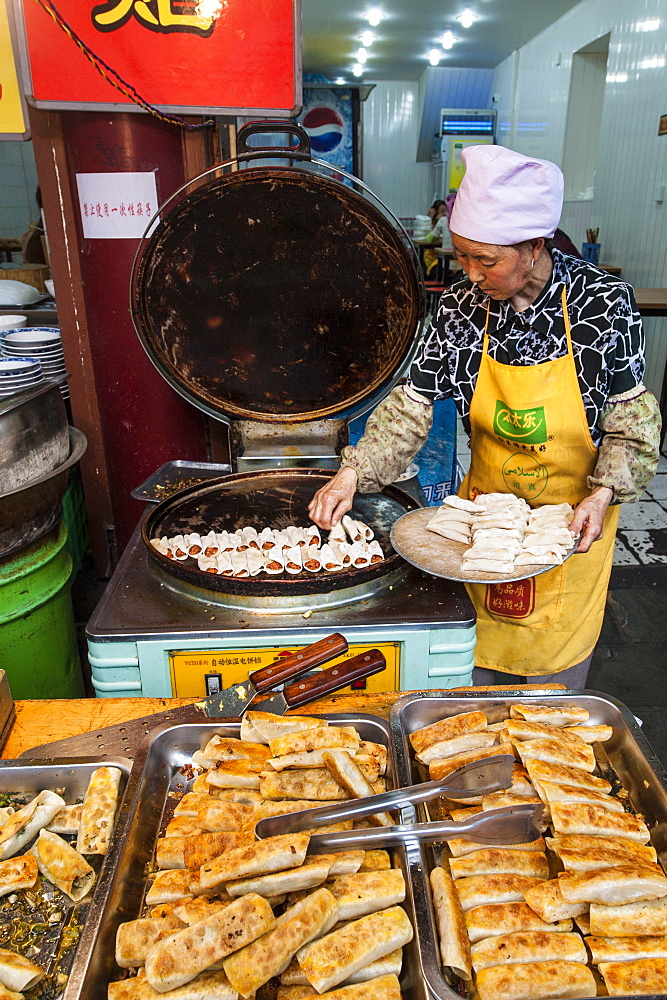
x=116 y=206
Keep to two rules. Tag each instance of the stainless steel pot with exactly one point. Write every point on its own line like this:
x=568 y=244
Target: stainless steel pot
x=33 y=435
x=29 y=511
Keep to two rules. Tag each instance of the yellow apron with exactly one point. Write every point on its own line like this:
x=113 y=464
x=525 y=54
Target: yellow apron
x=530 y=437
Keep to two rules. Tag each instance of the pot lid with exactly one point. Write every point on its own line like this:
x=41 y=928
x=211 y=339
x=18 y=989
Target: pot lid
x=276 y=293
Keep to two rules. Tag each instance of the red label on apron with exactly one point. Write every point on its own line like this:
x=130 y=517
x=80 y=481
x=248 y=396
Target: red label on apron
x=511 y=600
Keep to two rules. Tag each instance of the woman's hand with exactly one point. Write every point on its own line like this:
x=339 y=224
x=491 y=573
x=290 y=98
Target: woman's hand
x=589 y=516
x=335 y=499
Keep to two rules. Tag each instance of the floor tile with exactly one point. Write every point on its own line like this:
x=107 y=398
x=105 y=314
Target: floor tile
x=662 y=464
x=623 y=556
x=657 y=488
x=642 y=516
x=648 y=546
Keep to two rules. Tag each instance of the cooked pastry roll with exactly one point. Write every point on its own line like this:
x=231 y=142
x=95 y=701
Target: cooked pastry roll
x=251 y=537
x=183 y=955
x=536 y=981
x=546 y=900
x=270 y=955
x=312 y=561
x=324 y=737
x=179 y=547
x=331 y=561
x=591 y=734
x=18 y=973
x=562 y=752
x=342 y=552
x=18 y=873
x=452 y=933
x=267 y=539
x=382 y=988
x=239 y=559
x=388 y=965
x=648 y=917
x=367 y=892
x=193 y=543
x=441 y=768
x=229 y=748
x=296 y=536
x=519 y=729
x=500 y=860
x=502 y=799
x=135 y=937
x=350 y=777
x=508 y=918
x=613 y=886
x=274 y=561
x=359 y=555
x=293 y=560
x=375 y=861
x=99 y=811
x=552 y=715
x=24 y=824
x=196 y=849
x=482 y=890
x=208 y=564
x=626 y=949
x=161 y=545
x=551 y=792
x=447 y=729
x=646 y=976
x=461 y=847
x=67 y=819
x=311 y=873
x=63 y=866
x=540 y=770
x=223 y=540
x=217 y=816
x=528 y=946
x=255 y=559
x=168 y=886
x=353 y=528
x=335 y=957
x=210 y=545
x=270 y=855
x=270 y=726
x=450 y=748
x=236 y=774
x=573 y=818
x=376 y=752
x=580 y=853
x=205 y=986
x=182 y=826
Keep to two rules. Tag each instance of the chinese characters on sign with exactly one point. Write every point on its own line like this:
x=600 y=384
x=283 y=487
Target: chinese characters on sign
x=160 y=15
x=116 y=206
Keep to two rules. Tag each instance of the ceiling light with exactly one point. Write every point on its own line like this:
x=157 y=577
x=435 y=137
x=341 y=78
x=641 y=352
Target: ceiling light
x=367 y=38
x=651 y=25
x=652 y=62
x=448 y=40
x=340 y=80
x=467 y=19
x=374 y=17
x=434 y=57
x=361 y=55
x=357 y=69
x=617 y=78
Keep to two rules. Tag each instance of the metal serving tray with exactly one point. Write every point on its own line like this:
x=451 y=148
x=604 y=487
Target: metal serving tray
x=70 y=779
x=165 y=480
x=161 y=776
x=628 y=753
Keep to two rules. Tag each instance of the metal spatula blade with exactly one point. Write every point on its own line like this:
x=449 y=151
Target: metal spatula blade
x=501 y=827
x=478 y=778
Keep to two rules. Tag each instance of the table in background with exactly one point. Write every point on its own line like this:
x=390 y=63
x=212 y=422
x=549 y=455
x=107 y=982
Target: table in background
x=651 y=301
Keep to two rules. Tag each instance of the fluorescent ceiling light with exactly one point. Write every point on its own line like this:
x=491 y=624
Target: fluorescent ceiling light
x=357 y=69
x=361 y=56
x=467 y=18
x=652 y=62
x=617 y=78
x=448 y=40
x=367 y=38
x=434 y=57
x=374 y=16
x=651 y=25
x=340 y=80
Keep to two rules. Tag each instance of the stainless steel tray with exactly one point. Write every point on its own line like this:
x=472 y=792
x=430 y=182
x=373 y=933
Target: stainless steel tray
x=161 y=775
x=70 y=779
x=166 y=479
x=628 y=753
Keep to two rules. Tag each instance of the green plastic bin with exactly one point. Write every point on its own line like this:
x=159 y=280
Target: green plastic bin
x=38 y=647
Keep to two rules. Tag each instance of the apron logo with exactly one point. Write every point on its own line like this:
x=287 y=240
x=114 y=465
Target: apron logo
x=525 y=426
x=525 y=476
x=511 y=600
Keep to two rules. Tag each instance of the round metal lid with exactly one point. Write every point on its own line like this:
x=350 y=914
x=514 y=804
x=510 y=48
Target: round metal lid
x=276 y=294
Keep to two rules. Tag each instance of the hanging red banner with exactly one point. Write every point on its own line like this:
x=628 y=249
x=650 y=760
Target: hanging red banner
x=198 y=56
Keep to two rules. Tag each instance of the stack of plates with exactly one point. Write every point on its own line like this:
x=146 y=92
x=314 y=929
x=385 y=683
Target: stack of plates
x=18 y=374
x=43 y=343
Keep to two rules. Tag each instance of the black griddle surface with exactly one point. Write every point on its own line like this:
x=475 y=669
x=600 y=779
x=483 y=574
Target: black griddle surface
x=137 y=606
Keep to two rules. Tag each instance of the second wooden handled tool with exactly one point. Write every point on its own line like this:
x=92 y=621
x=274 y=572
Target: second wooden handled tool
x=323 y=682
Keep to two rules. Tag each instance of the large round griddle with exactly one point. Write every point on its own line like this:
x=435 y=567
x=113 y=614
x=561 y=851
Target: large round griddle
x=276 y=294
x=274 y=498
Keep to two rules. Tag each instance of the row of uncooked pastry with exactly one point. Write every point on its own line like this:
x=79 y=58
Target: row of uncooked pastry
x=505 y=532
x=275 y=556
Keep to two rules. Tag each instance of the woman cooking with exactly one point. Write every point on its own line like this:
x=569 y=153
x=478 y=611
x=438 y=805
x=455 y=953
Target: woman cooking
x=543 y=355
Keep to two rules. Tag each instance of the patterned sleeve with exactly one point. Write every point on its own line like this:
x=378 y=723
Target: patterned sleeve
x=395 y=431
x=630 y=446
x=629 y=343
x=429 y=373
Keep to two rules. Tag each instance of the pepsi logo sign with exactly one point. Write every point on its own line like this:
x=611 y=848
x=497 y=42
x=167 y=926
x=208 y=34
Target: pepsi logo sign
x=324 y=127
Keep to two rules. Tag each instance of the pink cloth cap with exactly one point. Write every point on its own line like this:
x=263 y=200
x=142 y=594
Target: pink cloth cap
x=505 y=198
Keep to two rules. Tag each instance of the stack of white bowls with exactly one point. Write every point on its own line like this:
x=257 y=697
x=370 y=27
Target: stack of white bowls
x=8 y=323
x=18 y=374
x=44 y=344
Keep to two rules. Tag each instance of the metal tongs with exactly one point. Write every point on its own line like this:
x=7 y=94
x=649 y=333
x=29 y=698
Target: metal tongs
x=510 y=825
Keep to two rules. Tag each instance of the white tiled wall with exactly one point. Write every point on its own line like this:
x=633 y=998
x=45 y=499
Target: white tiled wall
x=533 y=89
x=390 y=123
x=18 y=183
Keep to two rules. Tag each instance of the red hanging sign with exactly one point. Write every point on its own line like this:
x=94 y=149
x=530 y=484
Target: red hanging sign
x=198 y=56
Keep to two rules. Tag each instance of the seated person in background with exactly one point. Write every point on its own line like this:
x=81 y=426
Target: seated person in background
x=439 y=234
x=435 y=211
